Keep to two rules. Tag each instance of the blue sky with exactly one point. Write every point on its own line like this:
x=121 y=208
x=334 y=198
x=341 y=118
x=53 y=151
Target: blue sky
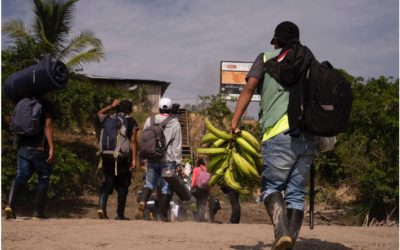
x=184 y=41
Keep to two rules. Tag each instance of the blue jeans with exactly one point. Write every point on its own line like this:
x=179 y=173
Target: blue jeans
x=153 y=174
x=30 y=160
x=286 y=167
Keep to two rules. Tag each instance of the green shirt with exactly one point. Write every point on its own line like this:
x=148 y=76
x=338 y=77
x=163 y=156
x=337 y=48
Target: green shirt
x=274 y=100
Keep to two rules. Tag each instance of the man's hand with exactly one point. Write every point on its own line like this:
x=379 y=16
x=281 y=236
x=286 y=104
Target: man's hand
x=50 y=158
x=115 y=103
x=132 y=166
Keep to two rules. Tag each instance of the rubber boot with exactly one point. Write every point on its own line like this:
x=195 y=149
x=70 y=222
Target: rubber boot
x=122 y=194
x=276 y=210
x=102 y=212
x=164 y=206
x=146 y=193
x=9 y=211
x=295 y=219
x=40 y=202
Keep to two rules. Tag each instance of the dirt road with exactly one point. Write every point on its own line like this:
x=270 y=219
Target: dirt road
x=111 y=234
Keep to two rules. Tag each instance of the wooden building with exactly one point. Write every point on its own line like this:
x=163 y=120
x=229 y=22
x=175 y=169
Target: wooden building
x=154 y=88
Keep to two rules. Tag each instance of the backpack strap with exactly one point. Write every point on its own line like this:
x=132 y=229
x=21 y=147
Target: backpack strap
x=165 y=122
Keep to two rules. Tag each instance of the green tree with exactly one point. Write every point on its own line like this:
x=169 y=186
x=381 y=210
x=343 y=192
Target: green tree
x=49 y=34
x=366 y=156
x=214 y=106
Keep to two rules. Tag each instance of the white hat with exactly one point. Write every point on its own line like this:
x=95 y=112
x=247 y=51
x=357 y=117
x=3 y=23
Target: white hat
x=165 y=103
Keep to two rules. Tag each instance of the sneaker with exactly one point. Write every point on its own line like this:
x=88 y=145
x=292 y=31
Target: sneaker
x=9 y=213
x=101 y=214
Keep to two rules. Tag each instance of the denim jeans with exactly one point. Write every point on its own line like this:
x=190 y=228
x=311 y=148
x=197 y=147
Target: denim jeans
x=286 y=167
x=33 y=160
x=154 y=178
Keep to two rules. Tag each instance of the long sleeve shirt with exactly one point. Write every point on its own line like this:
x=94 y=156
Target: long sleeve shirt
x=173 y=138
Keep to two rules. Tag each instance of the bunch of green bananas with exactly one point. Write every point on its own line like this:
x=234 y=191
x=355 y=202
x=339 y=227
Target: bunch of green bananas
x=234 y=159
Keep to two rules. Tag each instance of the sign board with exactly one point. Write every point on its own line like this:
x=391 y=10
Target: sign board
x=233 y=78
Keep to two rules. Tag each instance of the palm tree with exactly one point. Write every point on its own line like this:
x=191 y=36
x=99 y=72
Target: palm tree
x=50 y=32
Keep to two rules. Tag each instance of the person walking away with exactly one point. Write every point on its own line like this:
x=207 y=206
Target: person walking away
x=118 y=154
x=235 y=205
x=199 y=188
x=162 y=156
x=35 y=151
x=287 y=152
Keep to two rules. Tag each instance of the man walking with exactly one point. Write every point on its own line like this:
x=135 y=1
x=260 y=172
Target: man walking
x=163 y=159
x=118 y=154
x=35 y=154
x=287 y=152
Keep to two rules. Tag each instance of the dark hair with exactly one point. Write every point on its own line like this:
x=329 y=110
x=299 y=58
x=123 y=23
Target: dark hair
x=200 y=162
x=125 y=106
x=164 y=111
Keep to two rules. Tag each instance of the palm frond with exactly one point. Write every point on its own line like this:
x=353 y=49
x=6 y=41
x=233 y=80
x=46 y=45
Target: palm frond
x=16 y=29
x=52 y=20
x=92 y=55
x=84 y=40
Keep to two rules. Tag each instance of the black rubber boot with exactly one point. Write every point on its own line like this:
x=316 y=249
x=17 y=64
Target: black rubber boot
x=9 y=211
x=102 y=212
x=164 y=206
x=295 y=219
x=122 y=194
x=146 y=193
x=40 y=202
x=276 y=210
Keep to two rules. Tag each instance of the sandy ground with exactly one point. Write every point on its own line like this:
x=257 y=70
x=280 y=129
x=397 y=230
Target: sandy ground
x=24 y=233
x=74 y=225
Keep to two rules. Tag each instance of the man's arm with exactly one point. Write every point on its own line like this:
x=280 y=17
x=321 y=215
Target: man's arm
x=102 y=111
x=48 y=132
x=243 y=101
x=134 y=149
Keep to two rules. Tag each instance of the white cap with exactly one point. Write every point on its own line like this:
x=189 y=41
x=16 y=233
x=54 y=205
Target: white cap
x=165 y=103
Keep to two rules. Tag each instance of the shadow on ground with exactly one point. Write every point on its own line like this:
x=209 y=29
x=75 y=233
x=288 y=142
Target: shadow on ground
x=301 y=244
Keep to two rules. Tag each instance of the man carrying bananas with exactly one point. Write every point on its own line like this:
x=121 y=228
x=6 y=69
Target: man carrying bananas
x=286 y=156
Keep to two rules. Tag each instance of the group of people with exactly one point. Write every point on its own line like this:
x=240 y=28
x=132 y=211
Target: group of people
x=287 y=153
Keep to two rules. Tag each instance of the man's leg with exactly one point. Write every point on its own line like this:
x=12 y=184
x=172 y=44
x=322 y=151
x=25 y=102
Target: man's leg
x=278 y=159
x=24 y=173
x=105 y=190
x=43 y=170
x=234 y=200
x=123 y=181
x=295 y=190
x=166 y=193
x=152 y=177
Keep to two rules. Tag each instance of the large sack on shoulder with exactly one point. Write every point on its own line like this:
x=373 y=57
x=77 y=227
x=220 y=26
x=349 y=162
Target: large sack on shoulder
x=48 y=75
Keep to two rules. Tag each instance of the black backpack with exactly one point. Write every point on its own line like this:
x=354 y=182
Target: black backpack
x=26 y=117
x=153 y=145
x=320 y=97
x=114 y=141
x=327 y=100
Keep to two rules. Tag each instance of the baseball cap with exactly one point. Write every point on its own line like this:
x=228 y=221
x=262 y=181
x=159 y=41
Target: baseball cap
x=165 y=103
x=286 y=30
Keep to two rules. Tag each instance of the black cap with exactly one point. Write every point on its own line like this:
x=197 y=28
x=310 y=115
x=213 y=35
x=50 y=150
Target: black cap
x=286 y=30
